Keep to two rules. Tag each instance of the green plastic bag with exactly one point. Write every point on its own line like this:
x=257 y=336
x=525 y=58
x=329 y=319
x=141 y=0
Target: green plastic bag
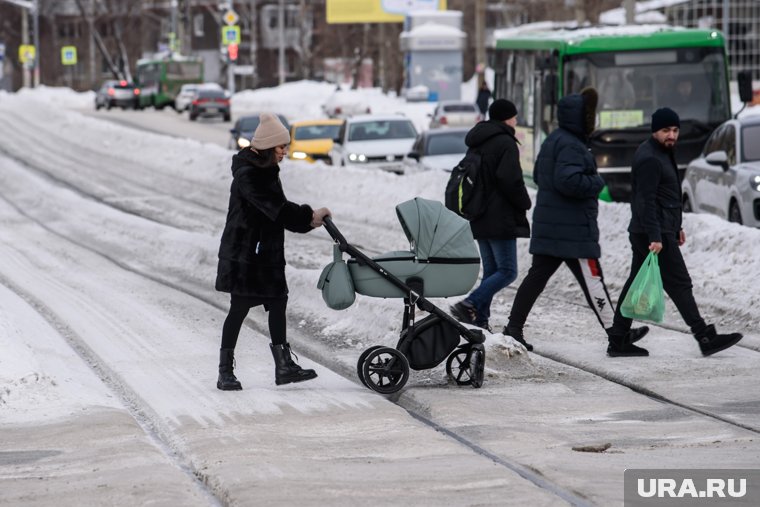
x=646 y=299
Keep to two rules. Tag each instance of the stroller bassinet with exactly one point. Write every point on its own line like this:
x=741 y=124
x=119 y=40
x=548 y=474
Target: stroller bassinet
x=442 y=261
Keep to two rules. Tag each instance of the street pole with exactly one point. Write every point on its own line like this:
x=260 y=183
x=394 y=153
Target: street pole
x=36 y=21
x=281 y=32
x=26 y=74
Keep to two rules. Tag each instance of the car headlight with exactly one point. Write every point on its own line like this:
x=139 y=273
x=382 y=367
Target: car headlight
x=756 y=182
x=357 y=157
x=243 y=142
x=299 y=155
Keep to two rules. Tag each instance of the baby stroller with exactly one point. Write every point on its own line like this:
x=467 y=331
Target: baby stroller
x=442 y=261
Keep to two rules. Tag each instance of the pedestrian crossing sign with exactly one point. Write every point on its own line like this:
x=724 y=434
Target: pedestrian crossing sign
x=69 y=55
x=26 y=53
x=230 y=35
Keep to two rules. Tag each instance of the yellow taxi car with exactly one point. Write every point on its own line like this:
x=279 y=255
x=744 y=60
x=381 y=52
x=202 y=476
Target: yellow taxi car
x=311 y=140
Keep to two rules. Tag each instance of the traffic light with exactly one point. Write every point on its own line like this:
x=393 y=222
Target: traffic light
x=232 y=52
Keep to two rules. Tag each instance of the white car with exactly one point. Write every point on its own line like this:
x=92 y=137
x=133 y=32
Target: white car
x=437 y=150
x=187 y=93
x=374 y=141
x=725 y=179
x=345 y=103
x=455 y=113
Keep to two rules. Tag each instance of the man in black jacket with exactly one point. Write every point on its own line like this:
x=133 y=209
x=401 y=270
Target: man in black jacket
x=565 y=229
x=504 y=220
x=656 y=226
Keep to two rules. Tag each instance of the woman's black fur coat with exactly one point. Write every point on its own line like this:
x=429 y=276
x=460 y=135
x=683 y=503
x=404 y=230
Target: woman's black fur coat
x=252 y=251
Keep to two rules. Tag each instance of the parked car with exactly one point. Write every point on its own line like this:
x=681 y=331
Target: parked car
x=312 y=140
x=345 y=103
x=115 y=93
x=455 y=113
x=187 y=93
x=210 y=102
x=725 y=179
x=243 y=130
x=437 y=149
x=378 y=141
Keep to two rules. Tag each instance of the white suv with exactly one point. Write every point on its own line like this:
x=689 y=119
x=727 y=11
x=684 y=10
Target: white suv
x=374 y=141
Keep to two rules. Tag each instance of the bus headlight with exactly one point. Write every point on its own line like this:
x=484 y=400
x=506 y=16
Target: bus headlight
x=243 y=142
x=298 y=155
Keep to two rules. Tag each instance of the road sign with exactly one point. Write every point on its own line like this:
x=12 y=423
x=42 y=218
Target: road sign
x=231 y=17
x=69 y=55
x=26 y=53
x=232 y=51
x=230 y=35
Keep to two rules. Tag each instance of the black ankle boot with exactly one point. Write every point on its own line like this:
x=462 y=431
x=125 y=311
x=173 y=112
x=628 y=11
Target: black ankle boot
x=620 y=346
x=227 y=380
x=517 y=334
x=637 y=333
x=711 y=342
x=285 y=369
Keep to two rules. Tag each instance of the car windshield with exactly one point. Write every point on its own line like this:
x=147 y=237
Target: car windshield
x=249 y=123
x=751 y=143
x=446 y=144
x=309 y=132
x=381 y=129
x=459 y=108
x=211 y=94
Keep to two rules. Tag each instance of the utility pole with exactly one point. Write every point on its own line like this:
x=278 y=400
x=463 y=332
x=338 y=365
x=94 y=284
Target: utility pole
x=480 y=35
x=630 y=11
x=27 y=77
x=281 y=33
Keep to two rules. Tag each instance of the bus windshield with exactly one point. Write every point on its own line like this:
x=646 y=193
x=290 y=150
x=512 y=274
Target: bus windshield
x=633 y=84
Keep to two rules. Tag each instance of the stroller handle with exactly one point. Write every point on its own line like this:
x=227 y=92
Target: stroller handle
x=333 y=231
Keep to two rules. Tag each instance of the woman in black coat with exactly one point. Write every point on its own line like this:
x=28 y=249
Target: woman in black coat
x=252 y=254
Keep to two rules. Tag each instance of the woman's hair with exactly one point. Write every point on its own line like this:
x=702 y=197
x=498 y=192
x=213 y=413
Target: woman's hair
x=265 y=158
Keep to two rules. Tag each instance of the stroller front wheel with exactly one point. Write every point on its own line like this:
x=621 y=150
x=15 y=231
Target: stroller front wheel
x=385 y=370
x=466 y=365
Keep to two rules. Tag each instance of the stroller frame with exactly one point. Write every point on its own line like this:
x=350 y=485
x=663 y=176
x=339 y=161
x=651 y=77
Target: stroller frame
x=385 y=369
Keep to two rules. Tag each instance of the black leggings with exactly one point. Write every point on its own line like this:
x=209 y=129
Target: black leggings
x=239 y=307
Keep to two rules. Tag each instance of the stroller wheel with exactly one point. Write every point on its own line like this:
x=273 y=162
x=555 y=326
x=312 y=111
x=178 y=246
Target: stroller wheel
x=360 y=364
x=477 y=365
x=466 y=365
x=385 y=370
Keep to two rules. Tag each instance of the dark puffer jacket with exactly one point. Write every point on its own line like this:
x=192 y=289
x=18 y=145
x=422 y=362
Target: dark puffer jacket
x=508 y=200
x=565 y=216
x=655 y=192
x=252 y=254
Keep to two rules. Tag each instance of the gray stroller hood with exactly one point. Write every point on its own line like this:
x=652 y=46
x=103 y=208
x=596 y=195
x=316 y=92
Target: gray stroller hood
x=442 y=255
x=434 y=232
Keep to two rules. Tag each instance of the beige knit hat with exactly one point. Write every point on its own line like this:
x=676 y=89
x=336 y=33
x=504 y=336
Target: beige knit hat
x=270 y=133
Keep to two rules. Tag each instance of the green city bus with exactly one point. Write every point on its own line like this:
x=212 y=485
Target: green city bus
x=635 y=69
x=160 y=79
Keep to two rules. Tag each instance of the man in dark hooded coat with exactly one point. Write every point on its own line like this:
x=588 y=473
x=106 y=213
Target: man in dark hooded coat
x=565 y=226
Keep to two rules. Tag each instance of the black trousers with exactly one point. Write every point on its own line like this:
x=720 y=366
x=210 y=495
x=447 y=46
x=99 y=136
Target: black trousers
x=239 y=307
x=588 y=272
x=675 y=280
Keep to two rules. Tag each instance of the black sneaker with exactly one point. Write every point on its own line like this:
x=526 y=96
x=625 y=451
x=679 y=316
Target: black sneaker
x=464 y=312
x=517 y=334
x=626 y=350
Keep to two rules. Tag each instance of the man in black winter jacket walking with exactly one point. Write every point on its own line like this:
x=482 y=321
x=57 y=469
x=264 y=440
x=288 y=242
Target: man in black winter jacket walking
x=504 y=220
x=656 y=226
x=565 y=229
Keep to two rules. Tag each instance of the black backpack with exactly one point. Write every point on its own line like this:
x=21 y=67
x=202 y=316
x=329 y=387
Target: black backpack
x=466 y=193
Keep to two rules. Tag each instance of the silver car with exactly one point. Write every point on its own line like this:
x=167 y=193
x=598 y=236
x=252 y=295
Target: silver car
x=115 y=93
x=437 y=150
x=455 y=113
x=725 y=179
x=374 y=141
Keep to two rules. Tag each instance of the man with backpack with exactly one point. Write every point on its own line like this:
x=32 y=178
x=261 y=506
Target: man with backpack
x=565 y=229
x=499 y=217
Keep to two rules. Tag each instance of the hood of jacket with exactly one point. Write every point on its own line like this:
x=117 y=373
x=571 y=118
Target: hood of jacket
x=577 y=112
x=485 y=130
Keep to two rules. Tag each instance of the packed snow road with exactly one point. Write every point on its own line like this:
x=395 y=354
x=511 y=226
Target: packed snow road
x=108 y=246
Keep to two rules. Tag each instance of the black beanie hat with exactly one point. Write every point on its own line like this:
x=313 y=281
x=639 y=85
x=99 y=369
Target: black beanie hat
x=502 y=109
x=663 y=118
